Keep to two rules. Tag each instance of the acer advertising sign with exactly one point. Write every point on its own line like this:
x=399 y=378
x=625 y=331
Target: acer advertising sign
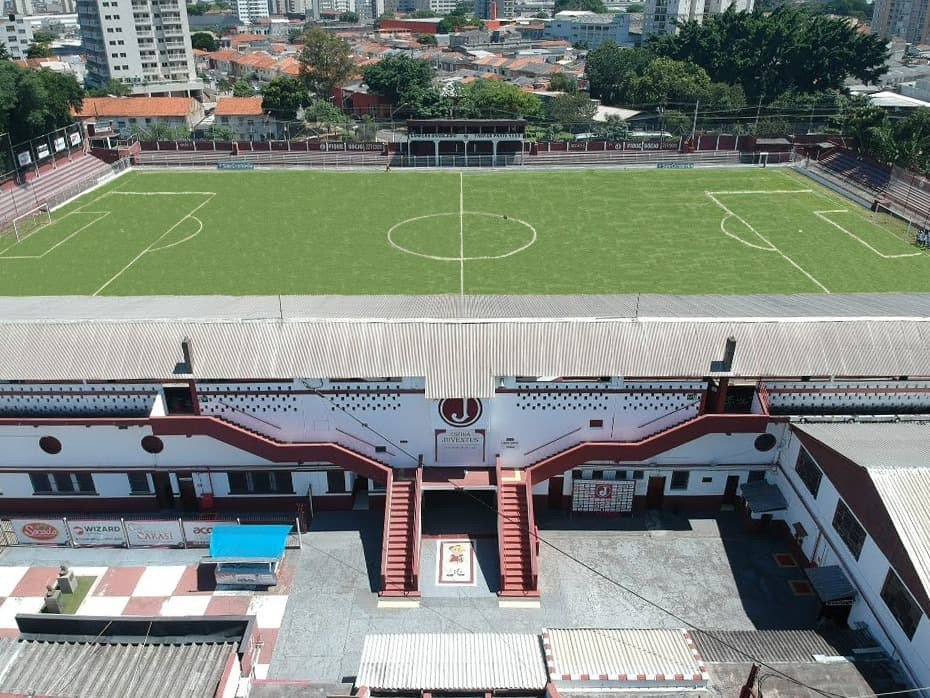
x=40 y=531
x=198 y=532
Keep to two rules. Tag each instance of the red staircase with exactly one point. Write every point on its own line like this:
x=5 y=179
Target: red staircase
x=516 y=535
x=400 y=552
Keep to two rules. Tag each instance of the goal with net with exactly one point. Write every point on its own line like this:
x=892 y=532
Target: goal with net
x=29 y=222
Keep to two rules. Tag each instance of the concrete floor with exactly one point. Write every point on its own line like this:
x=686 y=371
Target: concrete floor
x=707 y=571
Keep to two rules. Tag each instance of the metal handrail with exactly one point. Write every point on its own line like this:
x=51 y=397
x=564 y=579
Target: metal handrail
x=500 y=522
x=387 y=529
x=532 y=533
x=418 y=524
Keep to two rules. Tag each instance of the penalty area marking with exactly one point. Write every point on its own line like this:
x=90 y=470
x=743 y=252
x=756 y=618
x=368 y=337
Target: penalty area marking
x=151 y=247
x=769 y=246
x=822 y=216
x=100 y=215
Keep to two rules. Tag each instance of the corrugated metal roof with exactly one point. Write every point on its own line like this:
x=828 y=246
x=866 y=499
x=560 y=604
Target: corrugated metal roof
x=461 y=345
x=112 y=670
x=738 y=646
x=830 y=583
x=905 y=493
x=452 y=662
x=612 y=652
x=875 y=445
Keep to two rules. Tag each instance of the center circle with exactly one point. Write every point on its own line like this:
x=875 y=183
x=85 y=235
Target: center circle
x=527 y=235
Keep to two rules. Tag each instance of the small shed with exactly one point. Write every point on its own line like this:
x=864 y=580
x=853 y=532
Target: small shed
x=247 y=555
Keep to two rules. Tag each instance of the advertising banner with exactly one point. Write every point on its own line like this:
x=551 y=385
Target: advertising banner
x=60 y=144
x=75 y=138
x=602 y=495
x=40 y=531
x=43 y=152
x=97 y=532
x=154 y=534
x=24 y=158
x=198 y=532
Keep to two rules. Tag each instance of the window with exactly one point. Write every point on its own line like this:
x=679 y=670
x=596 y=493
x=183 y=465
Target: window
x=335 y=481
x=638 y=474
x=577 y=474
x=620 y=474
x=62 y=483
x=756 y=476
x=680 y=479
x=596 y=424
x=808 y=471
x=261 y=482
x=901 y=604
x=139 y=483
x=849 y=529
x=597 y=475
x=706 y=480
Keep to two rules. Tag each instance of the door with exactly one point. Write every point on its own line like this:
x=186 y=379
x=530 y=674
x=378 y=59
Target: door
x=729 y=493
x=555 y=492
x=163 y=493
x=655 y=493
x=188 y=492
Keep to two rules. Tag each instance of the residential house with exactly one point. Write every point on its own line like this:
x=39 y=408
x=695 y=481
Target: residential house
x=127 y=114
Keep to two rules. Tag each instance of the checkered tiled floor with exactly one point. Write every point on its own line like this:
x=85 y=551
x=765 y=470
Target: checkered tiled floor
x=147 y=591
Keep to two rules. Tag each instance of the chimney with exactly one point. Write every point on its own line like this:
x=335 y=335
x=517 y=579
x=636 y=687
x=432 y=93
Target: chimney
x=728 y=354
x=186 y=350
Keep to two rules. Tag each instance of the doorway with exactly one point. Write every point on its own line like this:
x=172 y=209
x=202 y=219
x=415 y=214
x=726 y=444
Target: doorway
x=655 y=492
x=360 y=494
x=164 y=495
x=556 y=483
x=729 y=492
x=188 y=492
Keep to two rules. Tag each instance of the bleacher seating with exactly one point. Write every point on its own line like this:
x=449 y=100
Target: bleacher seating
x=632 y=158
x=862 y=171
x=270 y=158
x=52 y=184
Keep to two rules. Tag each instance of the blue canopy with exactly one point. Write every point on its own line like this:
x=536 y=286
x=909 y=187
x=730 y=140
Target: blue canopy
x=250 y=541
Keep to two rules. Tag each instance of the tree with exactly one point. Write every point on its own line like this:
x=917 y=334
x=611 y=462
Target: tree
x=394 y=76
x=613 y=128
x=496 y=99
x=386 y=15
x=871 y=128
x=41 y=36
x=635 y=7
x=160 y=132
x=541 y=15
x=573 y=108
x=324 y=112
x=283 y=97
x=204 y=41
x=4 y=52
x=456 y=23
x=221 y=133
x=423 y=14
x=349 y=17
x=611 y=70
x=588 y=5
x=912 y=141
x=34 y=102
x=198 y=8
x=325 y=62
x=242 y=88
x=113 y=88
x=676 y=122
x=37 y=50
x=293 y=35
x=427 y=40
x=560 y=82
x=770 y=53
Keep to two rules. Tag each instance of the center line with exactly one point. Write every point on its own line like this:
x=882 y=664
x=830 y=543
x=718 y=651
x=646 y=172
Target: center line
x=461 y=234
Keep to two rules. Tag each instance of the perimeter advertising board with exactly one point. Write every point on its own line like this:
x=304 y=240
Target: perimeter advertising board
x=40 y=531
x=154 y=534
x=198 y=532
x=97 y=532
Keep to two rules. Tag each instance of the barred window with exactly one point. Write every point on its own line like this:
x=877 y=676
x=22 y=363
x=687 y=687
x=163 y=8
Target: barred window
x=62 y=483
x=852 y=534
x=807 y=470
x=901 y=604
x=335 y=481
x=261 y=482
x=139 y=483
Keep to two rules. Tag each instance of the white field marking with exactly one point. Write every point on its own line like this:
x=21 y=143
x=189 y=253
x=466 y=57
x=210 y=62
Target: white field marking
x=100 y=215
x=767 y=241
x=834 y=198
x=723 y=228
x=769 y=248
x=461 y=234
x=438 y=258
x=821 y=215
x=762 y=191
x=182 y=240
x=161 y=193
x=139 y=256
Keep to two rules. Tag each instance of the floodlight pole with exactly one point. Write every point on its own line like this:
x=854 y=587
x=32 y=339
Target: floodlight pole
x=694 y=124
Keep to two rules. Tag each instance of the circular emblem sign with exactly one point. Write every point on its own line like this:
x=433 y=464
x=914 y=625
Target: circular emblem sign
x=40 y=531
x=460 y=413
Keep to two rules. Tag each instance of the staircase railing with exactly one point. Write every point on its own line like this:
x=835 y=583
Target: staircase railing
x=387 y=530
x=532 y=537
x=417 y=527
x=500 y=522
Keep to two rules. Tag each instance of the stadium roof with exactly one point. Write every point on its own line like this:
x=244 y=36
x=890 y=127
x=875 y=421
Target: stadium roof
x=461 y=345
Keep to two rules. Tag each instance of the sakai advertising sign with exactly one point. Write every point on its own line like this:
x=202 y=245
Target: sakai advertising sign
x=198 y=532
x=40 y=531
x=154 y=534
x=97 y=532
x=460 y=436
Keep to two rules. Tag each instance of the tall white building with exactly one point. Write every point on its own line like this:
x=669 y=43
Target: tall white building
x=143 y=43
x=663 y=16
x=908 y=19
x=250 y=11
x=16 y=34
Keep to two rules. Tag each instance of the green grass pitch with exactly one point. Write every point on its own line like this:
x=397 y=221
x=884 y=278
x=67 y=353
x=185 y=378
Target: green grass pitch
x=736 y=231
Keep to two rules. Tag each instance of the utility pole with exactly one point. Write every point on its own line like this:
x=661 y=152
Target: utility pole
x=694 y=124
x=755 y=128
x=746 y=691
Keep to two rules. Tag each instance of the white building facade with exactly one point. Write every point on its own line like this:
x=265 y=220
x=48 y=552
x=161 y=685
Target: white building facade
x=143 y=43
x=663 y=16
x=16 y=35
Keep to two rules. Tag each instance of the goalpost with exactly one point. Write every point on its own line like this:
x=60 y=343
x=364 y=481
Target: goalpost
x=29 y=222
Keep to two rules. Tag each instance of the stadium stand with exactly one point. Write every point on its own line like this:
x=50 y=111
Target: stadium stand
x=51 y=185
x=633 y=157
x=863 y=171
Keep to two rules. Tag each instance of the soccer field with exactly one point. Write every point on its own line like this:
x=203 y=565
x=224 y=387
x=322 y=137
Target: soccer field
x=736 y=231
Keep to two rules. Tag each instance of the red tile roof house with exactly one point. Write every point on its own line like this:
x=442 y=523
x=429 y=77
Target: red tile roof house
x=247 y=119
x=121 y=114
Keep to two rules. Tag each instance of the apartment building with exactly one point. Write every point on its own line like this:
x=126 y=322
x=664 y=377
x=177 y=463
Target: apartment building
x=251 y=11
x=907 y=19
x=664 y=16
x=143 y=43
x=16 y=34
